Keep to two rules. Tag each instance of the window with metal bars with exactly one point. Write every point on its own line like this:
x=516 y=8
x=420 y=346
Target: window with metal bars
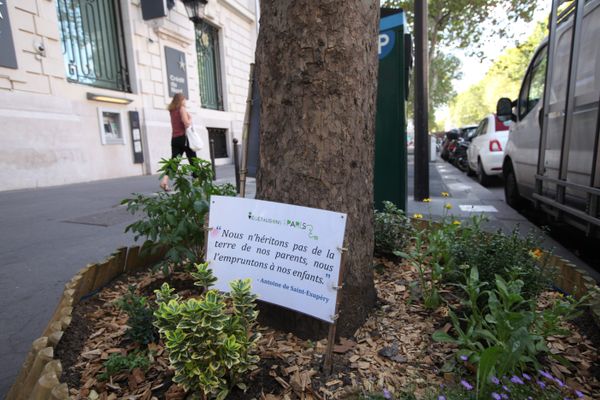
x=92 y=40
x=209 y=66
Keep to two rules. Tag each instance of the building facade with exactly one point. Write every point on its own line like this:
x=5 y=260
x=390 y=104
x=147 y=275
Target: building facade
x=84 y=85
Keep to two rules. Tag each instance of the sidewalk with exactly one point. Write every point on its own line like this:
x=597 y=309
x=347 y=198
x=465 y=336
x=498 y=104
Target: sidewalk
x=468 y=198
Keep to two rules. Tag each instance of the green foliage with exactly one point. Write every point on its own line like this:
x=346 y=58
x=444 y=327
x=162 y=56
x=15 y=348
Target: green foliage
x=503 y=334
x=210 y=339
x=392 y=229
x=117 y=363
x=503 y=79
x=141 y=318
x=522 y=386
x=176 y=220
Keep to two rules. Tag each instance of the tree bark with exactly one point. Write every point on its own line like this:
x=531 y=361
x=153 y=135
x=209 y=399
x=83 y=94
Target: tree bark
x=317 y=75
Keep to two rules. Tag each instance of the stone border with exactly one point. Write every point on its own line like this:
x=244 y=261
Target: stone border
x=571 y=279
x=39 y=378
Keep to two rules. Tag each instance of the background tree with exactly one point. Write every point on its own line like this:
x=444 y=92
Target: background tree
x=503 y=79
x=317 y=76
x=462 y=24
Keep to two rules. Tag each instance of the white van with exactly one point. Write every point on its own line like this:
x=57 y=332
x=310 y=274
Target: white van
x=551 y=157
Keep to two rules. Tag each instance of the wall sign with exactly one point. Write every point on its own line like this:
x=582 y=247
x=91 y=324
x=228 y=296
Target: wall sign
x=8 y=57
x=176 y=72
x=291 y=253
x=136 y=137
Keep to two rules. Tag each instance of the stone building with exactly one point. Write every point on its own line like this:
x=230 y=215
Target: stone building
x=84 y=84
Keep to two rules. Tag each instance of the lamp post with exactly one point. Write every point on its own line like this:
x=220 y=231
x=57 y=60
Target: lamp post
x=195 y=9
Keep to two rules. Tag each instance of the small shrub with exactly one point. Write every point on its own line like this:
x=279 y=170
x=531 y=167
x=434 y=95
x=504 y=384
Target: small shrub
x=392 y=229
x=141 y=317
x=210 y=339
x=117 y=363
x=176 y=220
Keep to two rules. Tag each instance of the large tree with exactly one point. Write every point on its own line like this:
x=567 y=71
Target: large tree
x=317 y=76
x=462 y=24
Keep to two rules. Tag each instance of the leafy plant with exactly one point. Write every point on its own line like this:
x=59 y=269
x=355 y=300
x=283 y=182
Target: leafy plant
x=141 y=317
x=392 y=229
x=505 y=334
x=117 y=363
x=176 y=220
x=210 y=339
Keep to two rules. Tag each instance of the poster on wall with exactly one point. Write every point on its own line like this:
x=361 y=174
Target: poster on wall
x=8 y=57
x=176 y=72
x=292 y=254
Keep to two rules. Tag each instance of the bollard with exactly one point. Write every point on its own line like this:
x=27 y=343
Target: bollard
x=212 y=158
x=236 y=165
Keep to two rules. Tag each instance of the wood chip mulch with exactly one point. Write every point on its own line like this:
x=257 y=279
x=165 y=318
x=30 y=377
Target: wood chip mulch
x=392 y=350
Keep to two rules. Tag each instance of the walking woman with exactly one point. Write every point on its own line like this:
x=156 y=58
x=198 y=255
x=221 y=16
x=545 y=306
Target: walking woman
x=180 y=120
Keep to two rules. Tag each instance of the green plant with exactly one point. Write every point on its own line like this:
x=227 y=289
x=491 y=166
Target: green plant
x=504 y=333
x=141 y=317
x=117 y=363
x=392 y=229
x=175 y=220
x=211 y=339
x=429 y=273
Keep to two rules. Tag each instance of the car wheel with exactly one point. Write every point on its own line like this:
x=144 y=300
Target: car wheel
x=470 y=172
x=483 y=178
x=511 y=190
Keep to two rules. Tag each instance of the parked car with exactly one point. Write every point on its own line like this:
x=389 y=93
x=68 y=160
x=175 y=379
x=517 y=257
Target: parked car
x=486 y=151
x=552 y=156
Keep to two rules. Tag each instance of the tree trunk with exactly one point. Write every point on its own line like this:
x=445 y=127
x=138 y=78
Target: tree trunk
x=317 y=75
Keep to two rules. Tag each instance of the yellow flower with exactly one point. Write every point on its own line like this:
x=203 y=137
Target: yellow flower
x=536 y=253
x=455 y=222
x=445 y=194
x=427 y=200
x=418 y=216
x=448 y=206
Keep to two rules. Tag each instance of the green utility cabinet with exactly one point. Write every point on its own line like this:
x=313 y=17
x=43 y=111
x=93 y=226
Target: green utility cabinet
x=391 y=178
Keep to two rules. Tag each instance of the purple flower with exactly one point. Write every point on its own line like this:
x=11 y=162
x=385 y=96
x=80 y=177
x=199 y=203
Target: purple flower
x=464 y=358
x=517 y=380
x=579 y=394
x=441 y=397
x=529 y=398
x=495 y=380
x=546 y=375
x=560 y=383
x=506 y=389
x=504 y=396
x=466 y=384
x=387 y=394
x=542 y=384
x=526 y=376
x=496 y=396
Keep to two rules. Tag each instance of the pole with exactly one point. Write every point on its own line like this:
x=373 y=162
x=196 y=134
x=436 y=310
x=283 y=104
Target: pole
x=236 y=165
x=245 y=134
x=212 y=158
x=328 y=361
x=421 y=179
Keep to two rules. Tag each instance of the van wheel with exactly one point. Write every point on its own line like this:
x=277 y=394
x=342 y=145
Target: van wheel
x=511 y=190
x=483 y=178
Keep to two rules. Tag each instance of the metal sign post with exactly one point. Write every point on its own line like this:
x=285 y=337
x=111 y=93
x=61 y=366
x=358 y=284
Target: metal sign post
x=328 y=361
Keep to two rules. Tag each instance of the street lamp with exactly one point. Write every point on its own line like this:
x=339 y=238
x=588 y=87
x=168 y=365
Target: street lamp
x=195 y=9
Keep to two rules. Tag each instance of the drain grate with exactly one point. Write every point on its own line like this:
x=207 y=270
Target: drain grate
x=107 y=218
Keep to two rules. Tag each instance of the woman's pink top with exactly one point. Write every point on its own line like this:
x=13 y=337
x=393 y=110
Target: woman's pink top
x=177 y=123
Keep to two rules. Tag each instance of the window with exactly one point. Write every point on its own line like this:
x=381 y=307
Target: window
x=218 y=139
x=209 y=66
x=533 y=85
x=91 y=35
x=482 y=128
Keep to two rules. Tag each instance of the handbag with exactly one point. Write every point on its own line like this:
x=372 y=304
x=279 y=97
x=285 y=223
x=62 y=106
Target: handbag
x=194 y=137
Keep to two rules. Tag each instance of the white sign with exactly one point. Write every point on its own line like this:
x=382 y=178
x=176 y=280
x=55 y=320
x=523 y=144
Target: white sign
x=291 y=253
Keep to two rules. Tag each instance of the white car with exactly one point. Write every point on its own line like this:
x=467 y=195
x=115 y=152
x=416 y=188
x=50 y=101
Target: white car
x=486 y=151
